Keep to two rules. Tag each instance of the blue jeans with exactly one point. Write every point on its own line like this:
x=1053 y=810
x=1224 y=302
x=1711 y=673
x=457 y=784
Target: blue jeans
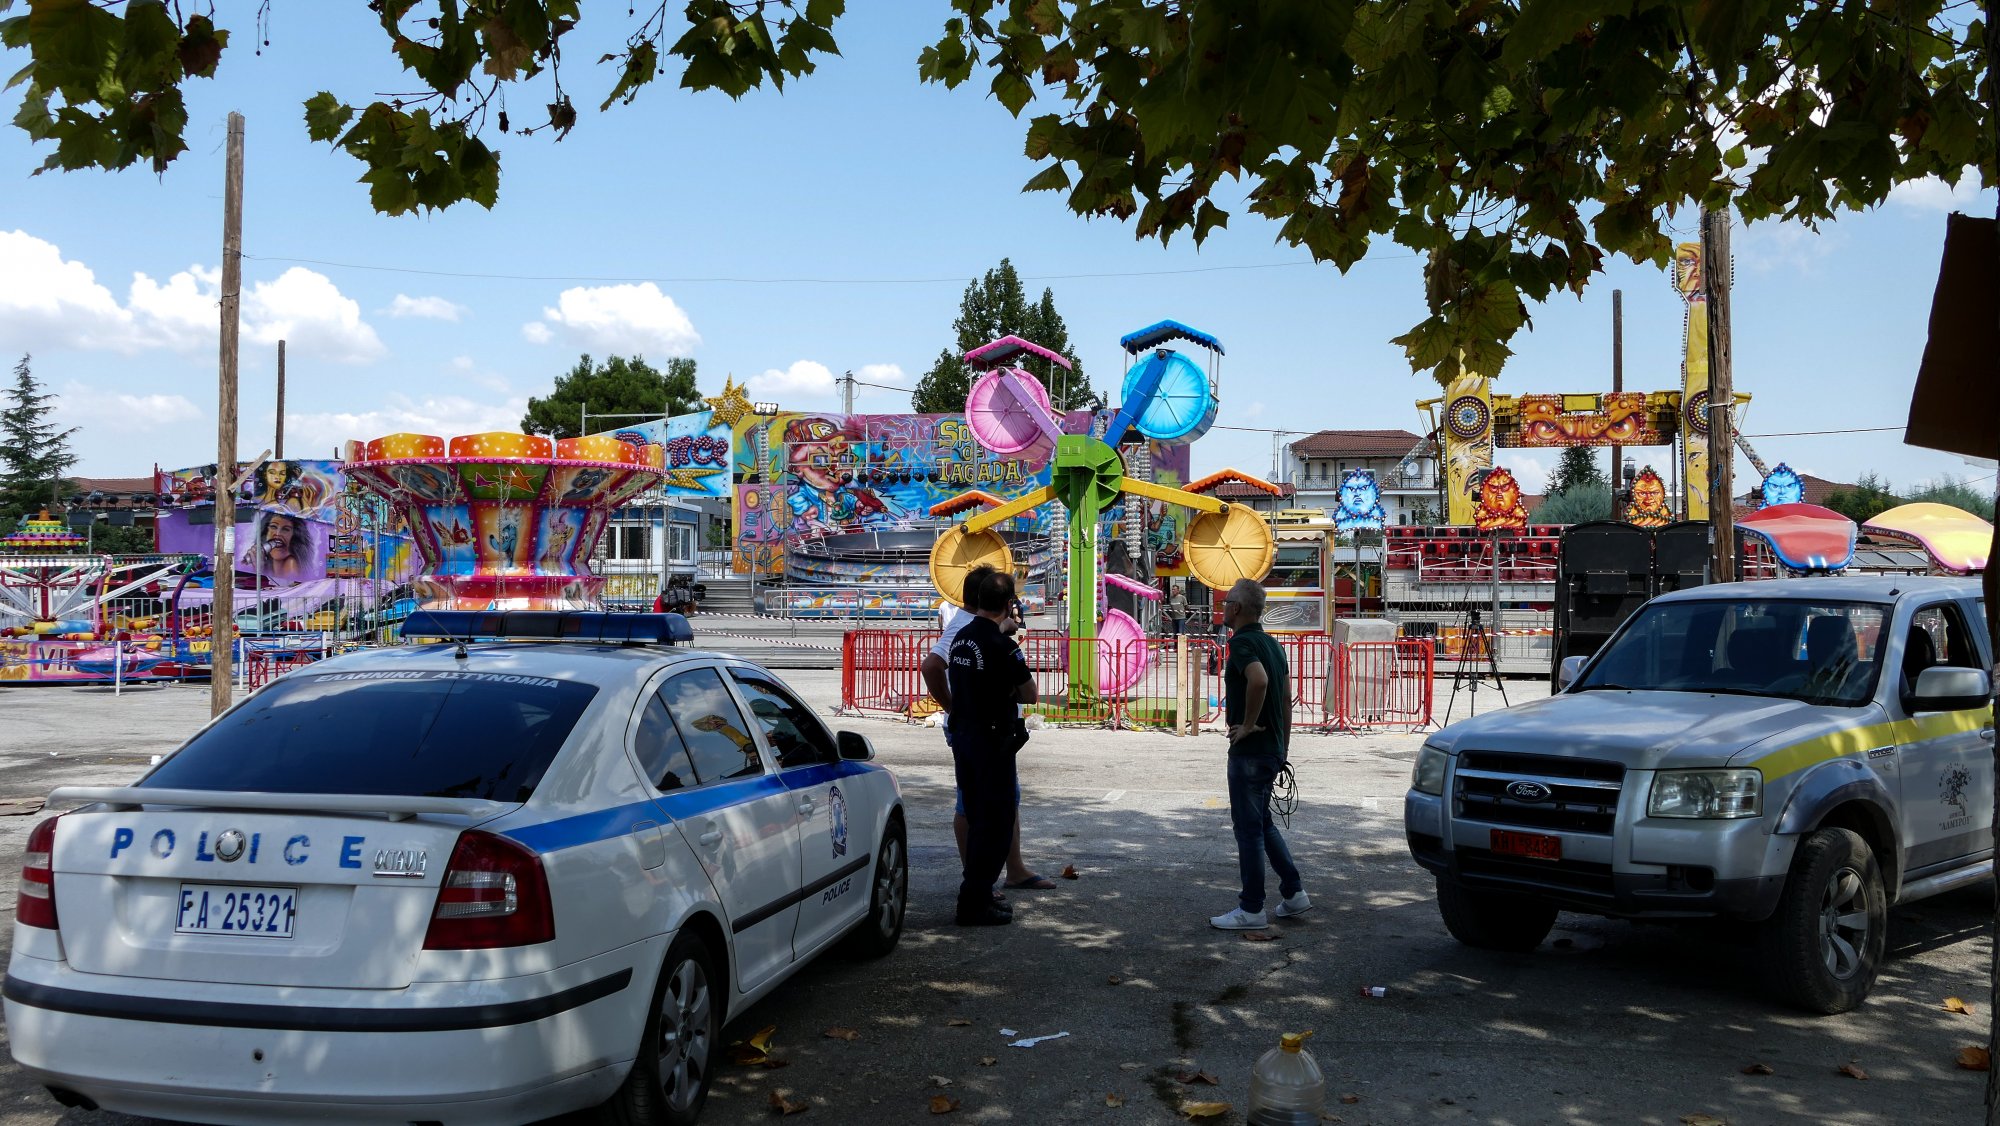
x=1257 y=836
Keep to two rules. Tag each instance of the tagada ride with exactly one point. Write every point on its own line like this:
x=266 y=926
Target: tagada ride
x=55 y=627
x=505 y=521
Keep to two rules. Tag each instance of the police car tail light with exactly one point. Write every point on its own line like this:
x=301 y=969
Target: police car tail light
x=36 y=906
x=494 y=894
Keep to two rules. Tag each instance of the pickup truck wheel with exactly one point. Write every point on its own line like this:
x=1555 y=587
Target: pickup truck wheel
x=1494 y=920
x=1824 y=943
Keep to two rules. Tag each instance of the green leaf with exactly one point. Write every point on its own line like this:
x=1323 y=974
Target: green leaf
x=201 y=47
x=641 y=64
x=1545 y=25
x=1052 y=178
x=1013 y=91
x=326 y=116
x=1042 y=133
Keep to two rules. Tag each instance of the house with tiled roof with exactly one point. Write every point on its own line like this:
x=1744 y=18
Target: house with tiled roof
x=1405 y=466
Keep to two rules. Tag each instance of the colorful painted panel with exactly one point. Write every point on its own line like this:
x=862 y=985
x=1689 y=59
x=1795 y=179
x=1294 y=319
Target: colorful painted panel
x=1619 y=418
x=803 y=474
x=1361 y=503
x=1500 y=506
x=1782 y=486
x=694 y=451
x=1468 y=433
x=1648 y=507
x=1692 y=286
x=308 y=488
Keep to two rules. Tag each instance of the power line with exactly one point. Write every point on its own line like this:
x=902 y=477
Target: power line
x=1816 y=433
x=731 y=280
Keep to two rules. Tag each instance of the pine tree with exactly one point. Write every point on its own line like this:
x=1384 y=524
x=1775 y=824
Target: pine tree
x=34 y=455
x=994 y=306
x=1577 y=467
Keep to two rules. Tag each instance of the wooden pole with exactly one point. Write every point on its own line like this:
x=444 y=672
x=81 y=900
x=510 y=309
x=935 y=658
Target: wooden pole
x=1617 y=384
x=1715 y=269
x=278 y=445
x=1990 y=583
x=222 y=639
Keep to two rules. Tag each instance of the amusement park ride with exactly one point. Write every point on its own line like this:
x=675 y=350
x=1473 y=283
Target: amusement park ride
x=56 y=616
x=505 y=521
x=1165 y=398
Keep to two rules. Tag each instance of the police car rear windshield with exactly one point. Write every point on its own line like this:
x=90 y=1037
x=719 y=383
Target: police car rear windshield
x=403 y=732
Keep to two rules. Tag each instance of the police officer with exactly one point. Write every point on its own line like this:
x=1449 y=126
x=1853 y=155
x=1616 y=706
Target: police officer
x=988 y=677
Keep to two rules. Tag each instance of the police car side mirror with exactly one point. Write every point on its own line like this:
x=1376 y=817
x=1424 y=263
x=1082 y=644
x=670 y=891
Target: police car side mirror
x=854 y=746
x=1951 y=690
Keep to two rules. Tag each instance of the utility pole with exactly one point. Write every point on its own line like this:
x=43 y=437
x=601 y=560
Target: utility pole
x=1617 y=385
x=222 y=610
x=1715 y=271
x=278 y=445
x=847 y=393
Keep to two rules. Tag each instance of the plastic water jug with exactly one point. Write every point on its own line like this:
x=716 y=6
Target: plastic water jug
x=1286 y=1088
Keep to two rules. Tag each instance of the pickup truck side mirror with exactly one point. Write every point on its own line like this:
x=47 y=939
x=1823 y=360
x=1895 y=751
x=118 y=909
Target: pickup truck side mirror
x=854 y=746
x=1572 y=667
x=1951 y=690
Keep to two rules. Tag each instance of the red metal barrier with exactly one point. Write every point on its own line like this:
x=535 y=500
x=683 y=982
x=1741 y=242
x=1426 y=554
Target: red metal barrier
x=1376 y=684
x=1384 y=684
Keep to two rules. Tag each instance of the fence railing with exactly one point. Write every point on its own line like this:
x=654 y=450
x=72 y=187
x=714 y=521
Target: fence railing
x=1161 y=682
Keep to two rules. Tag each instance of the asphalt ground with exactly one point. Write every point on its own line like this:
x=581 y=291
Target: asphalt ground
x=1606 y=1023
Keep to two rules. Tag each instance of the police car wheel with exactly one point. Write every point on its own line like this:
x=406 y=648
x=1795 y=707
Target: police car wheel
x=670 y=1078
x=888 y=899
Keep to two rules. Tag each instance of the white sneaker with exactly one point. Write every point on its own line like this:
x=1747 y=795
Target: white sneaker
x=1239 y=920
x=1295 y=905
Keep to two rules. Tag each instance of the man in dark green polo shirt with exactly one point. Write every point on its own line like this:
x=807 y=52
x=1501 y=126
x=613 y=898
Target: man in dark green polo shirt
x=1257 y=686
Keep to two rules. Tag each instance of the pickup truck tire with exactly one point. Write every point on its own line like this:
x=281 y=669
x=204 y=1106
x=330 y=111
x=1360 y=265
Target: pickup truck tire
x=1823 y=945
x=1494 y=920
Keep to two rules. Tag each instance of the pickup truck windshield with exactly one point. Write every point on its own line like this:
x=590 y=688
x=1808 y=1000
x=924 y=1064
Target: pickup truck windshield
x=408 y=732
x=1820 y=652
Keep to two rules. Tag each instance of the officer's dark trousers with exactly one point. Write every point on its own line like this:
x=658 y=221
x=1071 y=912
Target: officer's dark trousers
x=986 y=779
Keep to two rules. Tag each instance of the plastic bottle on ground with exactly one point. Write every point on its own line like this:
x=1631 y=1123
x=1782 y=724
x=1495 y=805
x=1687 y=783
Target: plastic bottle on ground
x=1286 y=1087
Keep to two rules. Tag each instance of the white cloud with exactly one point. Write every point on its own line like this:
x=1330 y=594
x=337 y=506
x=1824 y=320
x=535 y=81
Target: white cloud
x=802 y=382
x=47 y=301
x=1933 y=194
x=100 y=410
x=1528 y=470
x=426 y=308
x=890 y=374
x=1253 y=410
x=630 y=319
x=1779 y=245
x=309 y=313
x=446 y=416
x=465 y=368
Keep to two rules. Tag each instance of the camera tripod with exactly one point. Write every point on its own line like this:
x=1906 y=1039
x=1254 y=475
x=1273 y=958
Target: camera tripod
x=1476 y=644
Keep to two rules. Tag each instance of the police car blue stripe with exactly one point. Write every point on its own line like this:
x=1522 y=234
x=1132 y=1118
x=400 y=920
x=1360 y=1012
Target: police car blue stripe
x=605 y=824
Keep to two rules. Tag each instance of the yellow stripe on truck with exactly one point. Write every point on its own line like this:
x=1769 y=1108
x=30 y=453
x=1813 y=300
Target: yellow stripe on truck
x=1859 y=741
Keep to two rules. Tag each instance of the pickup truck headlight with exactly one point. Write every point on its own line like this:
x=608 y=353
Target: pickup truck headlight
x=1428 y=777
x=1707 y=794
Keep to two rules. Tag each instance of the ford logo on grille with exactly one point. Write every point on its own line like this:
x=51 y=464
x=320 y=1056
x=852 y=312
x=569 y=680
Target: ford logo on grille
x=1527 y=791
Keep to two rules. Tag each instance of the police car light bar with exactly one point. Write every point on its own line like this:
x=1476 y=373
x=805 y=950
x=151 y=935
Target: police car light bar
x=550 y=625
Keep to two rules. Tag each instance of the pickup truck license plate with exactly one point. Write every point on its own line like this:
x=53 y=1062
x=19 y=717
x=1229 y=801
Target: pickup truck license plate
x=1535 y=846
x=237 y=910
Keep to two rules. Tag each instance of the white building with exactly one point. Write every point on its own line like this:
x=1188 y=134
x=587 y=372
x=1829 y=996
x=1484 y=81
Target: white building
x=1405 y=466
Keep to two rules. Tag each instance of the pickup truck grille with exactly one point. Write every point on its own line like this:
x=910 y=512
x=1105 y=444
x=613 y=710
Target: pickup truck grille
x=1582 y=793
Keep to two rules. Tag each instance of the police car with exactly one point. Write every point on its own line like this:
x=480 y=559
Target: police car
x=474 y=881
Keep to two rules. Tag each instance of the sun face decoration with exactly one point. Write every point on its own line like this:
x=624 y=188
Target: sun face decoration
x=1360 y=503
x=1649 y=501
x=1500 y=504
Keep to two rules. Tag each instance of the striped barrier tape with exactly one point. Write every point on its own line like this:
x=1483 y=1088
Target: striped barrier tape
x=780 y=641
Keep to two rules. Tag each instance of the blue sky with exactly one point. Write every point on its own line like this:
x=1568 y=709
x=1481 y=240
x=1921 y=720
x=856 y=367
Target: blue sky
x=859 y=174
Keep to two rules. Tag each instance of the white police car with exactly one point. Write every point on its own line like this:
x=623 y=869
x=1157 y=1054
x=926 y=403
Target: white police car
x=486 y=882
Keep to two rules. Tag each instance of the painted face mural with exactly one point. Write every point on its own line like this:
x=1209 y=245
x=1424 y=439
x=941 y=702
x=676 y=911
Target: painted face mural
x=1620 y=418
x=820 y=462
x=1783 y=486
x=1648 y=508
x=1360 y=503
x=1500 y=503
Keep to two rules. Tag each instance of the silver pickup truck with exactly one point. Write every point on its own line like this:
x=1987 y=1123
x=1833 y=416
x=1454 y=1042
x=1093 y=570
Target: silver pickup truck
x=1796 y=755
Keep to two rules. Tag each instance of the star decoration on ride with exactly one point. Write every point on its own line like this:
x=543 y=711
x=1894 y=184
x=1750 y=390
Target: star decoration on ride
x=729 y=406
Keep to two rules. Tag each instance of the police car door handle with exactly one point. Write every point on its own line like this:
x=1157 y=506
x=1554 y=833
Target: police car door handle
x=711 y=838
x=806 y=806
